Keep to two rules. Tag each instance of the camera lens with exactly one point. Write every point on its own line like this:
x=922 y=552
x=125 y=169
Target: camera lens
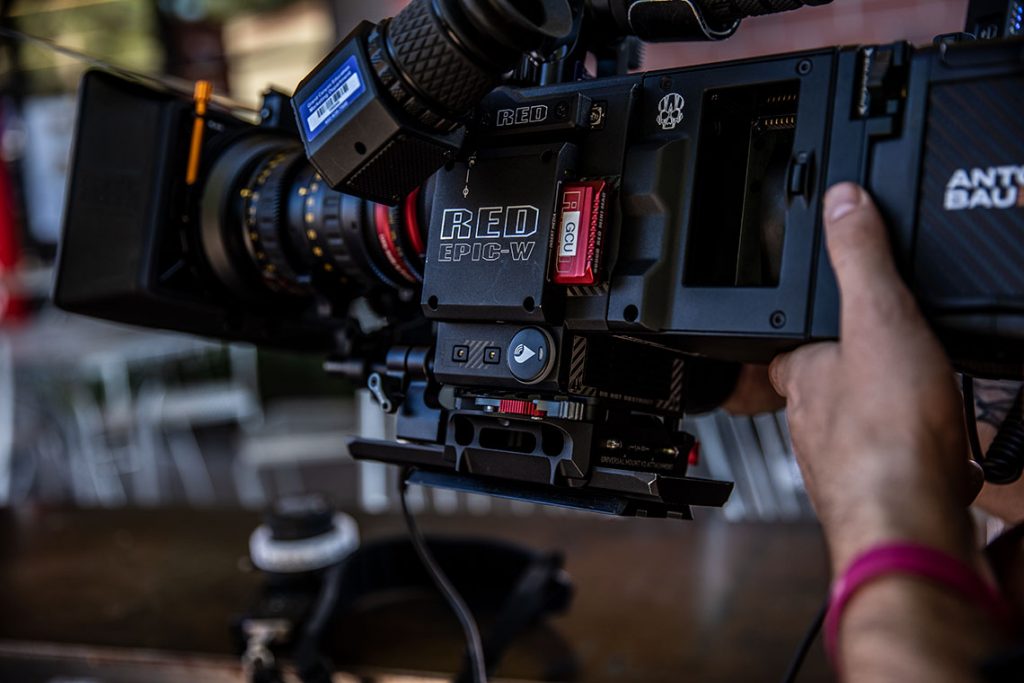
x=270 y=225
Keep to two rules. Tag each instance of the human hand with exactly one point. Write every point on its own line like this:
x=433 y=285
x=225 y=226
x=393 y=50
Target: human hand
x=876 y=418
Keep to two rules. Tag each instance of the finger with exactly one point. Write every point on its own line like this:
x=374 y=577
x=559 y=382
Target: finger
x=788 y=370
x=779 y=372
x=861 y=255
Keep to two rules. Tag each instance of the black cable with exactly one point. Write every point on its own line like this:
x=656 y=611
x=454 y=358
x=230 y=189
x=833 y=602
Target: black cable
x=1004 y=461
x=805 y=645
x=474 y=644
x=312 y=663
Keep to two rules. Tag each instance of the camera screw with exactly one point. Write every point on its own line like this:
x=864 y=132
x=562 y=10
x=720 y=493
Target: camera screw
x=666 y=83
x=561 y=110
x=778 y=320
x=804 y=67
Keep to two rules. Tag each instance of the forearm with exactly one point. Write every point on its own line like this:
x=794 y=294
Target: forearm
x=906 y=629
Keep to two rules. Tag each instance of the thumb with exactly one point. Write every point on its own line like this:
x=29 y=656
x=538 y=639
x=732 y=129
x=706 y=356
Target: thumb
x=861 y=255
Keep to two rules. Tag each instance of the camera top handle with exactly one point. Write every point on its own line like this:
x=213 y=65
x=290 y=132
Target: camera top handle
x=654 y=21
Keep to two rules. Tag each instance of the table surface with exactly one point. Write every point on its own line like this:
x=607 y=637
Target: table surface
x=655 y=600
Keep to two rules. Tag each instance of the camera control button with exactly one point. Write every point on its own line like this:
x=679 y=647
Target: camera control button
x=531 y=355
x=460 y=354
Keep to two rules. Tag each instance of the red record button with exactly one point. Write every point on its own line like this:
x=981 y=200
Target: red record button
x=581 y=225
x=514 y=407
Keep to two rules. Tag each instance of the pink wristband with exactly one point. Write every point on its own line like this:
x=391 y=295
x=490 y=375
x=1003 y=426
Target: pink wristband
x=913 y=560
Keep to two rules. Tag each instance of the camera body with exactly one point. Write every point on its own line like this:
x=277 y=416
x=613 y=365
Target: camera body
x=624 y=227
x=706 y=185
x=586 y=267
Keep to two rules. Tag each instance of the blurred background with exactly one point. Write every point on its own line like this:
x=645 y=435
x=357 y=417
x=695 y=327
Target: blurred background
x=170 y=442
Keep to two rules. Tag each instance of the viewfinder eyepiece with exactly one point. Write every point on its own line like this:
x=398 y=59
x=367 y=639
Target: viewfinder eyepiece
x=385 y=110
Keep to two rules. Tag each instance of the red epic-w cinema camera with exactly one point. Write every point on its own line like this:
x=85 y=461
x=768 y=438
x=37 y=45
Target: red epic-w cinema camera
x=540 y=269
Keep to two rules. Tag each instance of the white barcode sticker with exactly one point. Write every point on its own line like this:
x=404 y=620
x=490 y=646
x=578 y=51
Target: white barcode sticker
x=339 y=98
x=332 y=98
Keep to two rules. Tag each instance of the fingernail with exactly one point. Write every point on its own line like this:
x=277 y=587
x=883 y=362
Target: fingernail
x=841 y=201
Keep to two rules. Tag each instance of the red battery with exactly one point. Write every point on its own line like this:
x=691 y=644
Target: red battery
x=581 y=226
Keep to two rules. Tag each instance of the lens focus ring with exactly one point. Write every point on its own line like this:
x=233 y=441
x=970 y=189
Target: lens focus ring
x=264 y=223
x=433 y=63
x=315 y=224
